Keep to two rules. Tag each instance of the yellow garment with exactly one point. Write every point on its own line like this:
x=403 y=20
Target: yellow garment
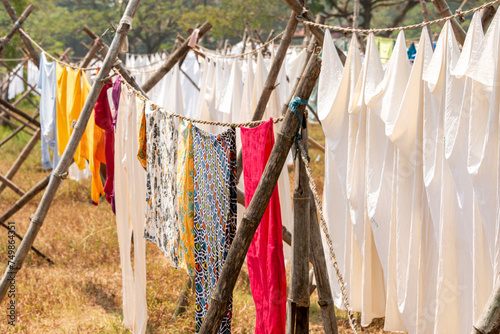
x=385 y=47
x=72 y=91
x=185 y=197
x=141 y=133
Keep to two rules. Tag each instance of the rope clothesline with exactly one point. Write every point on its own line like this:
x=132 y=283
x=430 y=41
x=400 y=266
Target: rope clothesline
x=210 y=54
x=458 y=13
x=194 y=120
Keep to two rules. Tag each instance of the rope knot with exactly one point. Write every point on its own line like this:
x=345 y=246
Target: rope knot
x=460 y=15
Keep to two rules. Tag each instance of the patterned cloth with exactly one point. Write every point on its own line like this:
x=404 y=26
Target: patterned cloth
x=214 y=214
x=185 y=193
x=161 y=225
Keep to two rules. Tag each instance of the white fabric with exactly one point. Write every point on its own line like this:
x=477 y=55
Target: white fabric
x=336 y=85
x=381 y=160
x=16 y=85
x=130 y=198
x=191 y=94
x=47 y=84
x=33 y=75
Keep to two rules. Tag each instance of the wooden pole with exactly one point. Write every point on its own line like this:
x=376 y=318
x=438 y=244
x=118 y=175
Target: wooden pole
x=118 y=65
x=19 y=112
x=61 y=170
x=489 y=321
x=258 y=205
x=487 y=15
x=11 y=185
x=443 y=10
x=173 y=59
x=15 y=132
x=325 y=300
x=29 y=47
x=425 y=15
x=18 y=119
x=308 y=16
x=6 y=40
x=28 y=196
x=20 y=237
x=92 y=52
x=183 y=301
x=21 y=158
x=298 y=300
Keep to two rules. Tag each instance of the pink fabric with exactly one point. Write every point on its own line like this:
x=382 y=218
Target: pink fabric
x=265 y=260
x=104 y=120
x=193 y=39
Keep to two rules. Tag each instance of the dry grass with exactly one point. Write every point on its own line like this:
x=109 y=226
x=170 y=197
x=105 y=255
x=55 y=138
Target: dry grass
x=81 y=292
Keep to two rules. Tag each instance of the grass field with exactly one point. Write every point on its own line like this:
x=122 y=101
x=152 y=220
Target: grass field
x=81 y=292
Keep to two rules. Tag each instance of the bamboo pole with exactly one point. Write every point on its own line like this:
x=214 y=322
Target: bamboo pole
x=92 y=52
x=173 y=59
x=298 y=301
x=271 y=81
x=29 y=47
x=183 y=300
x=21 y=158
x=18 y=119
x=443 y=10
x=11 y=185
x=12 y=135
x=20 y=237
x=61 y=170
x=118 y=65
x=19 y=112
x=489 y=321
x=15 y=132
x=6 y=40
x=308 y=16
x=487 y=15
x=425 y=15
x=28 y=196
x=258 y=205
x=325 y=300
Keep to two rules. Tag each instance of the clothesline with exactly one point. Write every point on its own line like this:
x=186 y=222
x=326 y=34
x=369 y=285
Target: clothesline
x=246 y=53
x=459 y=13
x=54 y=58
x=199 y=121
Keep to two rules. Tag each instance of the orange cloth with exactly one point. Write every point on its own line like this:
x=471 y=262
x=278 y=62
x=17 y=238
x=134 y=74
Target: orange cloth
x=72 y=91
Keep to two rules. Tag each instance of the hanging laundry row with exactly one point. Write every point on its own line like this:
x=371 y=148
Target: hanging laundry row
x=412 y=177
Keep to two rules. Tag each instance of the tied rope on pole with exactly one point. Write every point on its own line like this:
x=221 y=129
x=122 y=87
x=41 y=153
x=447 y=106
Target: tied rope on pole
x=294 y=107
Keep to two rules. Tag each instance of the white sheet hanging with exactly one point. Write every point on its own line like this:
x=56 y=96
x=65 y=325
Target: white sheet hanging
x=130 y=199
x=416 y=248
x=336 y=85
x=381 y=159
x=373 y=290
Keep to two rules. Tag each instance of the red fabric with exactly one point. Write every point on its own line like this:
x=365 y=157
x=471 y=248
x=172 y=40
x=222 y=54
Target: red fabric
x=104 y=120
x=265 y=259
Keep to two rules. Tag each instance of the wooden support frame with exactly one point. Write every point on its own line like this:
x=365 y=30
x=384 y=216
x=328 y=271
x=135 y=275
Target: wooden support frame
x=6 y=40
x=29 y=47
x=21 y=158
x=67 y=157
